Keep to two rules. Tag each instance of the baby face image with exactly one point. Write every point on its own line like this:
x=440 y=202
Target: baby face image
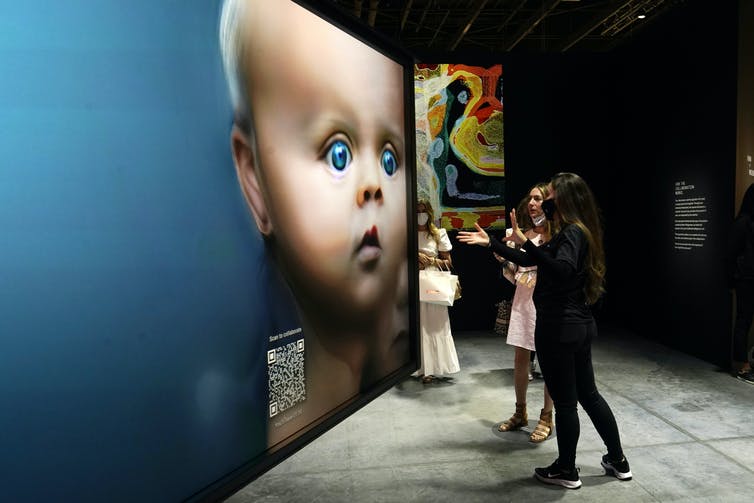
x=328 y=121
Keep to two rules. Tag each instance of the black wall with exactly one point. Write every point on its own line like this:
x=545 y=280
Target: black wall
x=556 y=119
x=677 y=122
x=632 y=122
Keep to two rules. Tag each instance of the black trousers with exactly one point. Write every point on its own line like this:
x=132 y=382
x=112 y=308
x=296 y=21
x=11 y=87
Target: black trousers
x=565 y=358
x=742 y=323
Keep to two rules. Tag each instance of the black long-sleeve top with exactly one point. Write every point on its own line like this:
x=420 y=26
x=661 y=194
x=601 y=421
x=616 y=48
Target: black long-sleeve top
x=559 y=292
x=739 y=256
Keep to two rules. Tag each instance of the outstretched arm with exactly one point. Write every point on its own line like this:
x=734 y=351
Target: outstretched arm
x=479 y=237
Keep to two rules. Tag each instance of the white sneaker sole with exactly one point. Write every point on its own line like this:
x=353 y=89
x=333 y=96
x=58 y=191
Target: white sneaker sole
x=569 y=484
x=609 y=470
x=742 y=379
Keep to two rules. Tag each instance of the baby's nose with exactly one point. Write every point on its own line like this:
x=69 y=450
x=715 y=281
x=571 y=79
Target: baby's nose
x=369 y=193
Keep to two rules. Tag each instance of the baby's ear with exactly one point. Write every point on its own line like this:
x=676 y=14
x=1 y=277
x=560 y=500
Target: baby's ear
x=248 y=176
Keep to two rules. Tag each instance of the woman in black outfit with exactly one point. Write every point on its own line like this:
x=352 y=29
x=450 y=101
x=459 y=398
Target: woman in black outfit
x=739 y=268
x=571 y=272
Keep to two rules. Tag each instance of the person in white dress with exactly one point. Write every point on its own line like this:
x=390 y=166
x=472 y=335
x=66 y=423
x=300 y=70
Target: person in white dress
x=524 y=316
x=438 y=351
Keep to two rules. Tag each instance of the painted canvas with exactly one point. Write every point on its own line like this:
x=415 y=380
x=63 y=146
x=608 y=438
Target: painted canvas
x=459 y=143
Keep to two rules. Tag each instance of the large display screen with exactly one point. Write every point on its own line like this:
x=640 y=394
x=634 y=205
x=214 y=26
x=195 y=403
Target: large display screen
x=208 y=241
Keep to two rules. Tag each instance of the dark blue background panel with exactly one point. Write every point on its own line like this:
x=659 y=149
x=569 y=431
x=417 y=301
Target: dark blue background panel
x=131 y=365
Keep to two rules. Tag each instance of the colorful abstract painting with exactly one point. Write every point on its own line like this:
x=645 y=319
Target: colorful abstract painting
x=459 y=143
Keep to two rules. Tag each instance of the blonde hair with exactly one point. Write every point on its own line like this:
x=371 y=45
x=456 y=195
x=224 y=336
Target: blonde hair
x=432 y=229
x=233 y=51
x=231 y=48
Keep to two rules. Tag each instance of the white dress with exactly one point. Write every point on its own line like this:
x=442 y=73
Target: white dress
x=523 y=314
x=438 y=352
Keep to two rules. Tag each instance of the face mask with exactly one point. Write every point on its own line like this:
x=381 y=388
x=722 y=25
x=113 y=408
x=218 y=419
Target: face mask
x=422 y=218
x=539 y=220
x=548 y=208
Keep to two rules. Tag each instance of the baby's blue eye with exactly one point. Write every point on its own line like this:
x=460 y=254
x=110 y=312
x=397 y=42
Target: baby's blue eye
x=338 y=156
x=389 y=162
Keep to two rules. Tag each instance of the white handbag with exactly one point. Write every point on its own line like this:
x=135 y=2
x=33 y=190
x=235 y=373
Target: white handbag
x=438 y=287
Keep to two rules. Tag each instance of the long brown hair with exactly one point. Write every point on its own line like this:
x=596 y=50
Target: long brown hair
x=576 y=205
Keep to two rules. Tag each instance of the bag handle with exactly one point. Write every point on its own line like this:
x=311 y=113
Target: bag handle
x=440 y=262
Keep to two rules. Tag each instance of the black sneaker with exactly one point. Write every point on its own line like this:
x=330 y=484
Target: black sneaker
x=619 y=469
x=747 y=377
x=555 y=475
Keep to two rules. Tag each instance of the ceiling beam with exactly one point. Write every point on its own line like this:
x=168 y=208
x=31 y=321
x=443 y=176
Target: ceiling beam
x=459 y=36
x=591 y=25
x=510 y=16
x=439 y=26
x=424 y=16
x=630 y=16
x=622 y=19
x=637 y=27
x=532 y=23
x=404 y=15
x=373 y=4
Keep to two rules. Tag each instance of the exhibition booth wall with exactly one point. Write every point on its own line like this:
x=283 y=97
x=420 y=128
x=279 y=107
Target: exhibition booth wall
x=191 y=294
x=652 y=127
x=144 y=310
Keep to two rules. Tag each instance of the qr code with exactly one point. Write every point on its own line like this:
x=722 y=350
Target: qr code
x=285 y=369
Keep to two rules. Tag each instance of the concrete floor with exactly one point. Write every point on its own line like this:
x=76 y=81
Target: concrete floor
x=686 y=428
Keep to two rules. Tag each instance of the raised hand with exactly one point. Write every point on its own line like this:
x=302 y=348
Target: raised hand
x=517 y=236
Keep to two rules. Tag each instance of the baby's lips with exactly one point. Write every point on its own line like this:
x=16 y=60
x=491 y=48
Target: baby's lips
x=369 y=250
x=371 y=238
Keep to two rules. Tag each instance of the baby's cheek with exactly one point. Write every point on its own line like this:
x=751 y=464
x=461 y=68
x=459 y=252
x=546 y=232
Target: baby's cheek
x=320 y=272
x=332 y=251
x=333 y=240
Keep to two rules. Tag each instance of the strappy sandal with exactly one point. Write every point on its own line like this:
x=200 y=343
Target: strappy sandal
x=428 y=379
x=517 y=420
x=543 y=430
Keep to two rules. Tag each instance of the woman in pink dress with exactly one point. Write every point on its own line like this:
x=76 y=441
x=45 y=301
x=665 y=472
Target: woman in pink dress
x=523 y=316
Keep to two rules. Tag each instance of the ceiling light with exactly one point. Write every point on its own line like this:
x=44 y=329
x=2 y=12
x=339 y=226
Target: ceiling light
x=641 y=16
